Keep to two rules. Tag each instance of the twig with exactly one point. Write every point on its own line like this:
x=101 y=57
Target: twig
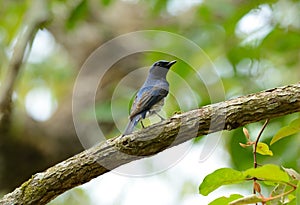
x=294 y=187
x=257 y=140
x=37 y=15
x=255 y=149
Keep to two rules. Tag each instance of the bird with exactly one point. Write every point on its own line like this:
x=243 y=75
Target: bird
x=150 y=97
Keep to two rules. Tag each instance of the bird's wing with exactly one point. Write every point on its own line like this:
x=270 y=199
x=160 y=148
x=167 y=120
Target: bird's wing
x=148 y=98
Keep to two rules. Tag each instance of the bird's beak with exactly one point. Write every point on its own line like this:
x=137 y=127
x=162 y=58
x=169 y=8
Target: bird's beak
x=171 y=63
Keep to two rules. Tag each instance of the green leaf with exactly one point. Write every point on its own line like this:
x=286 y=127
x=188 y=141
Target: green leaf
x=225 y=200
x=78 y=13
x=286 y=131
x=158 y=6
x=218 y=178
x=251 y=199
x=291 y=197
x=269 y=172
x=263 y=149
x=298 y=193
x=105 y=2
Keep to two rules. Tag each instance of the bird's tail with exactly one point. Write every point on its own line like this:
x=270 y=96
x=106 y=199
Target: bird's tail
x=131 y=124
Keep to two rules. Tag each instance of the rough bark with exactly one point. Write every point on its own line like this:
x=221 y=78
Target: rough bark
x=102 y=158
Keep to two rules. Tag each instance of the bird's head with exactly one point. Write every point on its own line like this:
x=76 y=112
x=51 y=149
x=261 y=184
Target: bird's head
x=160 y=68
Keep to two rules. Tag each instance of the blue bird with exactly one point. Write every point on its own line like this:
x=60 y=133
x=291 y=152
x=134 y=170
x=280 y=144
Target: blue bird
x=150 y=98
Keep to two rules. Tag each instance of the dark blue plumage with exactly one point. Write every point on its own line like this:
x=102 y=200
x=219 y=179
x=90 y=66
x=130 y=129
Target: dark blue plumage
x=150 y=98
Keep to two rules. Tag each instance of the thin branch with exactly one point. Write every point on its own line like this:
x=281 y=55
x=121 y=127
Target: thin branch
x=110 y=154
x=266 y=199
x=257 y=140
x=37 y=15
x=255 y=149
x=279 y=195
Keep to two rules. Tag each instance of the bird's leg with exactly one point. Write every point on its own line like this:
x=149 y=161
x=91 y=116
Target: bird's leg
x=142 y=124
x=161 y=118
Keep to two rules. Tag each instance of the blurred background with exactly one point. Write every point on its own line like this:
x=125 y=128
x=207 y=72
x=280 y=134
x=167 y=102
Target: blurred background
x=253 y=45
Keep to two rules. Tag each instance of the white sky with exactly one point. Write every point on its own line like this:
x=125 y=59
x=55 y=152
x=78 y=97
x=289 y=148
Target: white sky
x=176 y=6
x=40 y=104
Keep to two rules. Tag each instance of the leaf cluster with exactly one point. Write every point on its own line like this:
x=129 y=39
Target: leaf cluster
x=285 y=181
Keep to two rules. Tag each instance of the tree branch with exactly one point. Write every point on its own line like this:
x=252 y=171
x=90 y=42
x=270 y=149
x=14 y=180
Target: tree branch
x=102 y=158
x=37 y=15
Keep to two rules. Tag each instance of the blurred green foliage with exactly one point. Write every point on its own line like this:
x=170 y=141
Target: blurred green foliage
x=79 y=13
x=245 y=63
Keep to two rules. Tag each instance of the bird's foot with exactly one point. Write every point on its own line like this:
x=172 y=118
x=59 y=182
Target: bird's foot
x=142 y=124
x=161 y=118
